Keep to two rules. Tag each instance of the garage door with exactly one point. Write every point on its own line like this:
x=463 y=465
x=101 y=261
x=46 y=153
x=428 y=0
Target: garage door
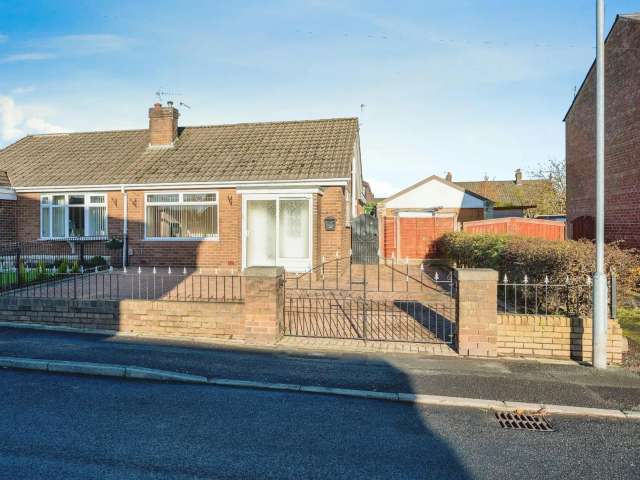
x=418 y=235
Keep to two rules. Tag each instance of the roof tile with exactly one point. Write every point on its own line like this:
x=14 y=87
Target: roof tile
x=294 y=150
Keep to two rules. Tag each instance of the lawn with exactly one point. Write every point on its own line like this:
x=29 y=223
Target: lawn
x=629 y=319
x=8 y=279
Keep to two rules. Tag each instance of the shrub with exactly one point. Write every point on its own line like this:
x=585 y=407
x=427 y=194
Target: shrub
x=62 y=266
x=114 y=244
x=75 y=267
x=41 y=270
x=22 y=273
x=97 y=261
x=536 y=258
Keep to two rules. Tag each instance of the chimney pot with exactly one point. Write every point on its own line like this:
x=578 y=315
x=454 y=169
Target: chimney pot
x=449 y=177
x=518 y=177
x=163 y=125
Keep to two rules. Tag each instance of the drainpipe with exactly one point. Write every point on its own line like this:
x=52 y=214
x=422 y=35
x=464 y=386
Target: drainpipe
x=125 y=243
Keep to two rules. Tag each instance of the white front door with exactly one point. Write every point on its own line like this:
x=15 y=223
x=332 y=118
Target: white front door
x=277 y=231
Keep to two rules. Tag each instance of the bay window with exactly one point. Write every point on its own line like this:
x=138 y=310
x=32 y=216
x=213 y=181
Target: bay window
x=72 y=215
x=181 y=216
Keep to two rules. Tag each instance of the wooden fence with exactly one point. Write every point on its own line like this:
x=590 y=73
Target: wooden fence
x=526 y=227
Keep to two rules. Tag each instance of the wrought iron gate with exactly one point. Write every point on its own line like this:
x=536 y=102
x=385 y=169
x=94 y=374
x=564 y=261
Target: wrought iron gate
x=382 y=302
x=364 y=239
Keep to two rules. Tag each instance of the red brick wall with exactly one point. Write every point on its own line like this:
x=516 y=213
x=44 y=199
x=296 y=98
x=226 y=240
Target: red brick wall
x=7 y=221
x=224 y=253
x=28 y=216
x=333 y=204
x=622 y=142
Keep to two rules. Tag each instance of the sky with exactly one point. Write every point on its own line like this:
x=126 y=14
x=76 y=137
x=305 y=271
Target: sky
x=475 y=87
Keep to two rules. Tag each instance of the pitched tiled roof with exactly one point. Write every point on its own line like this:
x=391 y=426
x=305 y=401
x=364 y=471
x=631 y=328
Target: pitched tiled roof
x=4 y=179
x=248 y=151
x=506 y=193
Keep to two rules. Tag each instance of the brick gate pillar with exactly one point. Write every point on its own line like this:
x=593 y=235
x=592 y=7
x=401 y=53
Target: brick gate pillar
x=264 y=303
x=477 y=314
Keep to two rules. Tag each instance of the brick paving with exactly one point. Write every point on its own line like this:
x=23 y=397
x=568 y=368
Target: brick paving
x=363 y=346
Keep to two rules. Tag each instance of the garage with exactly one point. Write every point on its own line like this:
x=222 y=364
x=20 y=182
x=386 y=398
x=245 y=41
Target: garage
x=412 y=221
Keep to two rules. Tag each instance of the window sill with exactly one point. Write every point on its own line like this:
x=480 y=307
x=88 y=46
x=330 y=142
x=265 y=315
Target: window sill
x=73 y=239
x=179 y=239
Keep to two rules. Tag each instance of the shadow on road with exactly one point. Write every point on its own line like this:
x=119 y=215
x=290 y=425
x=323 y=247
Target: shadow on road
x=319 y=436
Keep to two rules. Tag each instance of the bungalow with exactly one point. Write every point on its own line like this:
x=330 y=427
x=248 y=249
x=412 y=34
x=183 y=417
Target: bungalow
x=222 y=196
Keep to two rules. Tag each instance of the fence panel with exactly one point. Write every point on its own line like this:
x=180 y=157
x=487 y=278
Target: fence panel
x=526 y=227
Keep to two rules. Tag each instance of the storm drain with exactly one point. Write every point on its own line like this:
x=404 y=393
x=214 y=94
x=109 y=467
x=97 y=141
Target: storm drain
x=523 y=421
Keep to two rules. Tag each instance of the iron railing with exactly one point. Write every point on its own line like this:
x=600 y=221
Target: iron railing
x=379 y=302
x=547 y=298
x=342 y=274
x=49 y=254
x=354 y=318
x=134 y=285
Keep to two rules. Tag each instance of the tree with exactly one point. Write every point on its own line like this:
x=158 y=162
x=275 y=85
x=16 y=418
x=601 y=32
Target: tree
x=553 y=200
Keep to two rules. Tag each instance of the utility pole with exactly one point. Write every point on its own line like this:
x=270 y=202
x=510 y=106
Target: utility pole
x=600 y=317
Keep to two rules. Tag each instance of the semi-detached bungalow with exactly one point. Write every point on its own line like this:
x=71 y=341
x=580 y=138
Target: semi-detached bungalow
x=223 y=196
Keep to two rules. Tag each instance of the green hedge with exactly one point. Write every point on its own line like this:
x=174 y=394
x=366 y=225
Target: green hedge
x=517 y=256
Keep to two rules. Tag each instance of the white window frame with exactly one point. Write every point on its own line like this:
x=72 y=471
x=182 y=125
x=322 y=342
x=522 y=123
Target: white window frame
x=87 y=197
x=288 y=264
x=181 y=193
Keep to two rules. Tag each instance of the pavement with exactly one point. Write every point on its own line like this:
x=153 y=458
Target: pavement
x=63 y=426
x=546 y=383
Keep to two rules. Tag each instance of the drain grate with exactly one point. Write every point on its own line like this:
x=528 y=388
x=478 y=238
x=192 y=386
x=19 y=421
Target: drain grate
x=523 y=421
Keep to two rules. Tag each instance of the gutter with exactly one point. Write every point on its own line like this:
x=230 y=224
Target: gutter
x=191 y=185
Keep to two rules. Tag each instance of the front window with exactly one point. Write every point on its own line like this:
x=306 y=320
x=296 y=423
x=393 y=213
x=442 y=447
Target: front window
x=182 y=215
x=71 y=215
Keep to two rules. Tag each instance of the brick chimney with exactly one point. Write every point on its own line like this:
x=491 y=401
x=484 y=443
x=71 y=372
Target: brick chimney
x=163 y=125
x=449 y=177
x=518 y=177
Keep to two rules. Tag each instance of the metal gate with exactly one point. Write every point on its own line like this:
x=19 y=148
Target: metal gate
x=343 y=299
x=364 y=239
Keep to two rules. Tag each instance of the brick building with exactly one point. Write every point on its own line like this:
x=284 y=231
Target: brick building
x=225 y=196
x=622 y=142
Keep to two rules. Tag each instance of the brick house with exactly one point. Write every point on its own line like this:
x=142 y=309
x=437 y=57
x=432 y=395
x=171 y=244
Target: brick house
x=223 y=196
x=622 y=143
x=511 y=198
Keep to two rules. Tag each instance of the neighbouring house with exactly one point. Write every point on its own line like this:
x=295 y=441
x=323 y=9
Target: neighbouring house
x=368 y=193
x=511 y=198
x=411 y=221
x=622 y=143
x=220 y=196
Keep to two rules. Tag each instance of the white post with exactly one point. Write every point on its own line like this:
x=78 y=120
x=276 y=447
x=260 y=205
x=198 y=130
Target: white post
x=599 y=277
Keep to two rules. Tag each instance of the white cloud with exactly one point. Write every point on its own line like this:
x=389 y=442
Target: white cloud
x=27 y=57
x=23 y=90
x=66 y=46
x=87 y=44
x=17 y=121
